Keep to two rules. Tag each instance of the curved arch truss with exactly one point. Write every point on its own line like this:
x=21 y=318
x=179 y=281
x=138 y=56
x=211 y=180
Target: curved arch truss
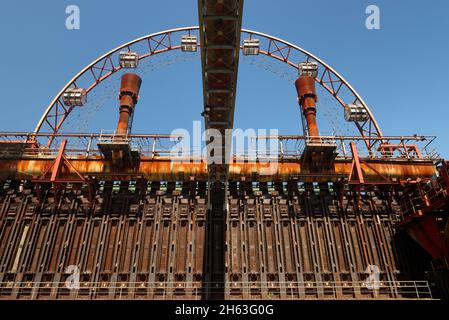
x=99 y=70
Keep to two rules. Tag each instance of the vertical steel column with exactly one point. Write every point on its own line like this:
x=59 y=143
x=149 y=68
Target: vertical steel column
x=307 y=97
x=129 y=95
x=215 y=241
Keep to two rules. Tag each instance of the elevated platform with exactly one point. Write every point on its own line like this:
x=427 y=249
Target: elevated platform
x=119 y=151
x=319 y=152
x=93 y=154
x=13 y=149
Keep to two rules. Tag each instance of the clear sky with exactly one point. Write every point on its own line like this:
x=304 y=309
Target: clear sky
x=401 y=70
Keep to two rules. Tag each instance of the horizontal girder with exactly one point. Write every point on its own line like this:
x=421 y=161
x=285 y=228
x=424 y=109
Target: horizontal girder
x=164 y=169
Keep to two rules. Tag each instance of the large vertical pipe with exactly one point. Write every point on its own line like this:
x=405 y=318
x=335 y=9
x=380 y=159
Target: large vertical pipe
x=305 y=87
x=129 y=94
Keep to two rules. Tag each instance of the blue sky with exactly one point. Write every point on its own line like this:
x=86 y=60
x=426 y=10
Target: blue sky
x=401 y=71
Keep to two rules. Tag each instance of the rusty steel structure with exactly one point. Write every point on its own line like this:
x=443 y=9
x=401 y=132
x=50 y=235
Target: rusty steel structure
x=137 y=222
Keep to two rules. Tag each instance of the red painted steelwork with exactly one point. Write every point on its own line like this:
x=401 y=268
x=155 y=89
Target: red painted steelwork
x=426 y=232
x=58 y=161
x=356 y=165
x=408 y=150
x=421 y=220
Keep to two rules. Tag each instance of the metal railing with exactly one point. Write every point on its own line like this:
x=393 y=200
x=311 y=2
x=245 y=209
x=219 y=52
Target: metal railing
x=111 y=136
x=400 y=145
x=232 y=290
x=289 y=146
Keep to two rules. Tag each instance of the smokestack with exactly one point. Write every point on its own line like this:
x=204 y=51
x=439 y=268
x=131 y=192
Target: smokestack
x=307 y=97
x=129 y=95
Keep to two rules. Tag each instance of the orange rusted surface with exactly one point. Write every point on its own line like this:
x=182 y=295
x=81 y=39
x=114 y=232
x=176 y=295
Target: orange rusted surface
x=129 y=94
x=305 y=86
x=165 y=169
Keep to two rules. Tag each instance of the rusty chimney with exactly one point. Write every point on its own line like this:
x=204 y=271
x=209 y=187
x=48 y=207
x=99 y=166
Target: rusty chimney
x=129 y=95
x=307 y=97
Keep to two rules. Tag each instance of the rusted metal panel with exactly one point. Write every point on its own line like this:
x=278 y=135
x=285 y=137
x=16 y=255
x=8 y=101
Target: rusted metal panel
x=198 y=240
x=300 y=242
x=164 y=246
x=146 y=242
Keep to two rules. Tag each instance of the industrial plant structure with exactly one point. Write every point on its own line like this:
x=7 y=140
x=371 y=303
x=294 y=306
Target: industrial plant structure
x=139 y=225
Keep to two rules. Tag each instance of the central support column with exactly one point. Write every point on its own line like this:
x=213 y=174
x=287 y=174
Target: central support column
x=220 y=28
x=215 y=260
